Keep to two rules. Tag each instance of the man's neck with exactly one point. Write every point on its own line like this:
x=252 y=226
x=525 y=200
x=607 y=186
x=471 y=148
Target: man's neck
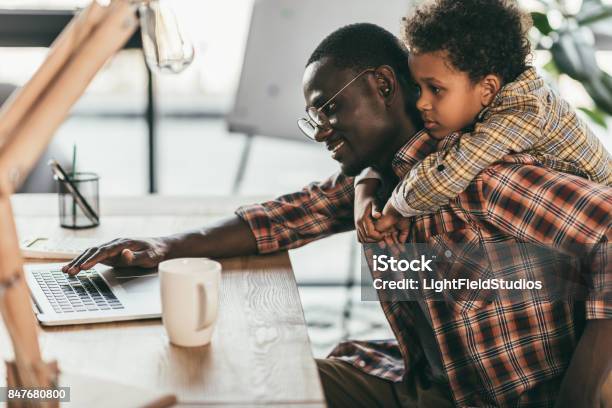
x=404 y=132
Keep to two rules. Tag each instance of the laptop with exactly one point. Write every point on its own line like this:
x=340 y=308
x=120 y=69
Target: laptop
x=101 y=294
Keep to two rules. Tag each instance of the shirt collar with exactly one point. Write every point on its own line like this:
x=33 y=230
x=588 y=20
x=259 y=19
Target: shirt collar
x=415 y=150
x=526 y=83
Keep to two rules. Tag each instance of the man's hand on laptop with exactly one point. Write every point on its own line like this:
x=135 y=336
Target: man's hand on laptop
x=145 y=253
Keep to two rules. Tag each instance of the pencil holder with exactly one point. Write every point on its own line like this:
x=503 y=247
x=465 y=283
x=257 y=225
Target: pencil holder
x=70 y=213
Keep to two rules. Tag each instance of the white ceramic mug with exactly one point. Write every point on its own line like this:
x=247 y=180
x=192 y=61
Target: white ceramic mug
x=190 y=299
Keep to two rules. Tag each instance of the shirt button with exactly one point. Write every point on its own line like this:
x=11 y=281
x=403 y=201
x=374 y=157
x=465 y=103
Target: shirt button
x=440 y=167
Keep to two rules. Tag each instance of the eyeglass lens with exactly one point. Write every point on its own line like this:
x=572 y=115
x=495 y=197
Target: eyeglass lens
x=317 y=119
x=307 y=128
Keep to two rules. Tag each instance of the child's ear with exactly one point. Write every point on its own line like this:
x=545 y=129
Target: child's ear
x=489 y=87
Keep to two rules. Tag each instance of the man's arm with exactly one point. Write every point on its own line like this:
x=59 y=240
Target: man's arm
x=316 y=211
x=229 y=237
x=592 y=359
x=589 y=367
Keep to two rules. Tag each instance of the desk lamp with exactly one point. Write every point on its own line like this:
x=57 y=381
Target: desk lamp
x=28 y=121
x=164 y=43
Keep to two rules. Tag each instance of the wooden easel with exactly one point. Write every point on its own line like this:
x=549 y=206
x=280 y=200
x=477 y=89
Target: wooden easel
x=28 y=121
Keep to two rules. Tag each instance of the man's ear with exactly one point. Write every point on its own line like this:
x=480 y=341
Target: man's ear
x=489 y=87
x=386 y=83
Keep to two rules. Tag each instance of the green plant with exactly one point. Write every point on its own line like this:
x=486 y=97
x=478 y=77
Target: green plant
x=568 y=28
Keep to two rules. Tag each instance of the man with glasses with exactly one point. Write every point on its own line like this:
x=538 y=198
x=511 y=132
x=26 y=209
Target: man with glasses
x=356 y=86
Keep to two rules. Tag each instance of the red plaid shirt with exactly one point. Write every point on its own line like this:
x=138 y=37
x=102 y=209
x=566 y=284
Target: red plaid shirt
x=494 y=353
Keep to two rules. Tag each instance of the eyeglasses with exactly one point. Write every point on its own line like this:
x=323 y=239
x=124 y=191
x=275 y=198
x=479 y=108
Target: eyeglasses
x=317 y=118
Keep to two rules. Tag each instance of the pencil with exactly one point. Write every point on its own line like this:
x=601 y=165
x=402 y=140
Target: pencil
x=74 y=158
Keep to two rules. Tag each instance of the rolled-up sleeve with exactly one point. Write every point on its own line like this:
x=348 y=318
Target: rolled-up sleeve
x=292 y=220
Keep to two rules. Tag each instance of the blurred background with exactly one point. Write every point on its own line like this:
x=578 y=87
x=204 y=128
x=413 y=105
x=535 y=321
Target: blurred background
x=147 y=133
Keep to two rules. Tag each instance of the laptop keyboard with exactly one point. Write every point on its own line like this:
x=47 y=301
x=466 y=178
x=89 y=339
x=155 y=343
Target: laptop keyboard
x=85 y=292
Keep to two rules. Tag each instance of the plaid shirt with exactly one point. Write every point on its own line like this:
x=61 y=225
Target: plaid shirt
x=494 y=354
x=525 y=115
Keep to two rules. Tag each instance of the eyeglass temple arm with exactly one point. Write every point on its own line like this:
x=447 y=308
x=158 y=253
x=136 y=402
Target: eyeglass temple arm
x=343 y=88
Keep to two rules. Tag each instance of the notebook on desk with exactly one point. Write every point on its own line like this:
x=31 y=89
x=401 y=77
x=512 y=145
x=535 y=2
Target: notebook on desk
x=101 y=294
x=60 y=248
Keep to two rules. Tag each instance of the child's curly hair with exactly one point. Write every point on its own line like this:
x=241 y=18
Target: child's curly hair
x=481 y=37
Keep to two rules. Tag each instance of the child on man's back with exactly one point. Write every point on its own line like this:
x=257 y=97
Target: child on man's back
x=469 y=61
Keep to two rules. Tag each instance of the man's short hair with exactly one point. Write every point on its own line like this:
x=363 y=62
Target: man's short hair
x=364 y=45
x=481 y=37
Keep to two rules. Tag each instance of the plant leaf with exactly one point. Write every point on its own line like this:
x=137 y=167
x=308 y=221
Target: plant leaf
x=574 y=56
x=552 y=68
x=540 y=21
x=601 y=95
x=594 y=15
x=596 y=115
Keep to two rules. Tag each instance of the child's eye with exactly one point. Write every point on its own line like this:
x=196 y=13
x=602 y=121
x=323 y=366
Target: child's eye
x=435 y=90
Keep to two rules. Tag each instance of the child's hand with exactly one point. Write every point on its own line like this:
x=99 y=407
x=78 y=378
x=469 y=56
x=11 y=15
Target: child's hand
x=366 y=232
x=367 y=211
x=403 y=230
x=389 y=218
x=392 y=223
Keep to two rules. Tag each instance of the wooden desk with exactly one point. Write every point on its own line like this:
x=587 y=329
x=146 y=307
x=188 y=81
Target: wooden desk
x=260 y=352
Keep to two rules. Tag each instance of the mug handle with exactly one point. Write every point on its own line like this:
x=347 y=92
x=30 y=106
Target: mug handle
x=207 y=302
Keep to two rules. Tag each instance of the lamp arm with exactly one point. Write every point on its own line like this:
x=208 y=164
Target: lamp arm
x=19 y=103
x=15 y=304
x=27 y=141
x=31 y=118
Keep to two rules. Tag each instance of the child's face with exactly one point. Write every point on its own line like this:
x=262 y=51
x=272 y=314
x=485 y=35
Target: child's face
x=449 y=100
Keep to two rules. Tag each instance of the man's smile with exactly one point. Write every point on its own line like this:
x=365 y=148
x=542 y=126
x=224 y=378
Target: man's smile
x=335 y=146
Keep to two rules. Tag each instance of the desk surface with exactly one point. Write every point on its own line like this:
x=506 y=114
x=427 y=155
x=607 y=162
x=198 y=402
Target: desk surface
x=260 y=353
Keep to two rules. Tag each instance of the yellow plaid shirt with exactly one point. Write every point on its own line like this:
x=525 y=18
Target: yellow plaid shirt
x=525 y=116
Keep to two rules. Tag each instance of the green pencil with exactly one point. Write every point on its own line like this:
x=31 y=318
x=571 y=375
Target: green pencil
x=74 y=158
